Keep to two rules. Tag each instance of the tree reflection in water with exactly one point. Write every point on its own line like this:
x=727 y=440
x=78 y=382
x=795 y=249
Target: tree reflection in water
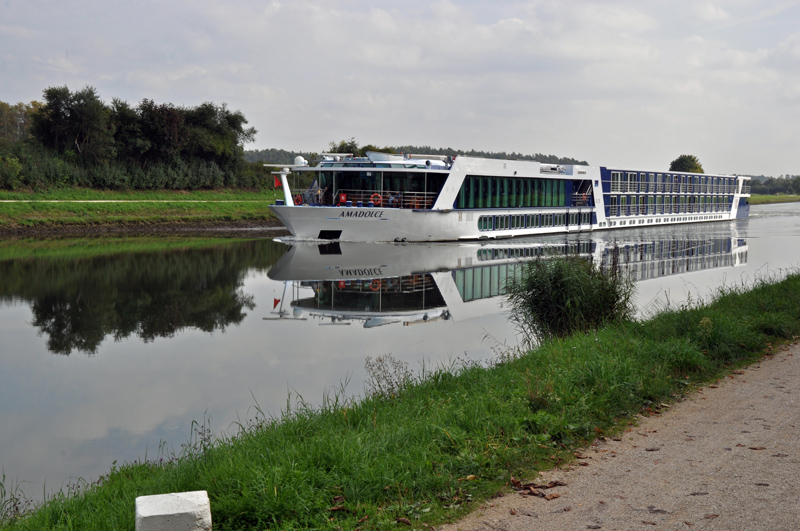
x=77 y=303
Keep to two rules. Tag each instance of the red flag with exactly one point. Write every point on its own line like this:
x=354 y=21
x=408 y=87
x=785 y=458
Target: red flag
x=275 y=303
x=277 y=181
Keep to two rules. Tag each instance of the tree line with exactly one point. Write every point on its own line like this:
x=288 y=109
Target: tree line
x=280 y=156
x=789 y=185
x=74 y=138
x=15 y=120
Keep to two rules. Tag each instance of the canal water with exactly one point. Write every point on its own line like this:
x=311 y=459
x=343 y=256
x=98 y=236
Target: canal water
x=122 y=355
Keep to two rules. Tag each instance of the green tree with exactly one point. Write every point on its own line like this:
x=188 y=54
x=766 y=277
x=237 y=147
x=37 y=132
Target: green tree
x=128 y=136
x=51 y=124
x=147 y=146
x=216 y=134
x=15 y=120
x=351 y=146
x=164 y=127
x=92 y=127
x=687 y=163
x=78 y=122
x=345 y=146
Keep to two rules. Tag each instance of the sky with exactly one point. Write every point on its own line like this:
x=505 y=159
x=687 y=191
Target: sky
x=627 y=83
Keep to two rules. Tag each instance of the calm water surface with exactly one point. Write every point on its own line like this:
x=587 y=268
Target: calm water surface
x=104 y=358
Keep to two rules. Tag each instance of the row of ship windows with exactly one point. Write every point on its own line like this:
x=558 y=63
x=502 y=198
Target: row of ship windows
x=532 y=221
x=491 y=280
x=510 y=192
x=641 y=252
x=619 y=205
x=632 y=178
x=669 y=199
x=658 y=220
x=529 y=252
x=486 y=281
x=675 y=266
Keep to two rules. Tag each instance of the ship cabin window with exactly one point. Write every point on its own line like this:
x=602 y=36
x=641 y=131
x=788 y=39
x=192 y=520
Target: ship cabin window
x=632 y=182
x=616 y=181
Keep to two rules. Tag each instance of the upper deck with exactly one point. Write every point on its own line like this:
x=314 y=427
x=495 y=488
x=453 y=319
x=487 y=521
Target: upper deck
x=424 y=182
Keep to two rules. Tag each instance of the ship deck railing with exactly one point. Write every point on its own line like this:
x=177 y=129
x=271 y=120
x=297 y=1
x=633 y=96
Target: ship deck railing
x=386 y=198
x=582 y=200
x=375 y=286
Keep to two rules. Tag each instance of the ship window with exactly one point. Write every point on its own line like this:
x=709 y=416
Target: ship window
x=489 y=192
x=616 y=178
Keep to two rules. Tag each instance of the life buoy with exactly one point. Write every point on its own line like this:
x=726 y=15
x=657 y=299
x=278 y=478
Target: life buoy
x=298 y=199
x=376 y=199
x=376 y=284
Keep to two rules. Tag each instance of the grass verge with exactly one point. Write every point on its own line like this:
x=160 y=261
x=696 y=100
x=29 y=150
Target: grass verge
x=757 y=199
x=429 y=447
x=84 y=208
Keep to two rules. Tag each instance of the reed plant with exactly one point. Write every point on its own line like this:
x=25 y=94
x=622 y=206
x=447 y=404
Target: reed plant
x=559 y=296
x=424 y=448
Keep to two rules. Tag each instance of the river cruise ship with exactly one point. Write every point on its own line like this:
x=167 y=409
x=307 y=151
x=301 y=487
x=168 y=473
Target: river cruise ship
x=383 y=198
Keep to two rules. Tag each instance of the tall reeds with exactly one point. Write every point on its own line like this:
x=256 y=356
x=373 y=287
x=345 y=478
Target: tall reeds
x=556 y=297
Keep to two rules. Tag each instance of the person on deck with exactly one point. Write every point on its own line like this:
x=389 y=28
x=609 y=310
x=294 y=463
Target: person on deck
x=395 y=200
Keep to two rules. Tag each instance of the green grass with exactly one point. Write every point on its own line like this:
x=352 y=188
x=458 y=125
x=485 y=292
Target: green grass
x=84 y=208
x=433 y=446
x=757 y=199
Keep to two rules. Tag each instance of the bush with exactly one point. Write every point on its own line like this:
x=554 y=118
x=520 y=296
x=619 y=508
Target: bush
x=10 y=168
x=556 y=297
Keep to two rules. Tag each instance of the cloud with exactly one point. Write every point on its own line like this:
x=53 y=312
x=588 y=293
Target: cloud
x=469 y=73
x=711 y=13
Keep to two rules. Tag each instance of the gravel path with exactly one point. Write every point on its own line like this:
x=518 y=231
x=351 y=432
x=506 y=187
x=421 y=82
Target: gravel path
x=726 y=458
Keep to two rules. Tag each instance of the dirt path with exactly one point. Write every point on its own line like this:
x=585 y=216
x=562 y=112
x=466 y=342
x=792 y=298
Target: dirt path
x=726 y=458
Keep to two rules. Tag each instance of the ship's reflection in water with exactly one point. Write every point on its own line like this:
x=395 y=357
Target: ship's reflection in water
x=381 y=284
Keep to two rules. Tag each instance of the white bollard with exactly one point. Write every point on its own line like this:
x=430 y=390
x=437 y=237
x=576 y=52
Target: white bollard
x=190 y=511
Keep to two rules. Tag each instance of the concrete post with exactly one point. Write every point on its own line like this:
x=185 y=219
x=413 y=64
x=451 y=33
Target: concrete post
x=184 y=511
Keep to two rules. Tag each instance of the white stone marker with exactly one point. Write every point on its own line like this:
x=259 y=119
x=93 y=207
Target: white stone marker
x=190 y=511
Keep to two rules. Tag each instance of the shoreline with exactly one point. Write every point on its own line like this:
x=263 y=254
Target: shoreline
x=271 y=225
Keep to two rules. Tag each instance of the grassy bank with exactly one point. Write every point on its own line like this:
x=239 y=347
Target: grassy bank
x=757 y=199
x=77 y=207
x=429 y=448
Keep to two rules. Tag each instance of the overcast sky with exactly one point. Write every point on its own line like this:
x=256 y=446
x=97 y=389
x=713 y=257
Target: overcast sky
x=616 y=82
